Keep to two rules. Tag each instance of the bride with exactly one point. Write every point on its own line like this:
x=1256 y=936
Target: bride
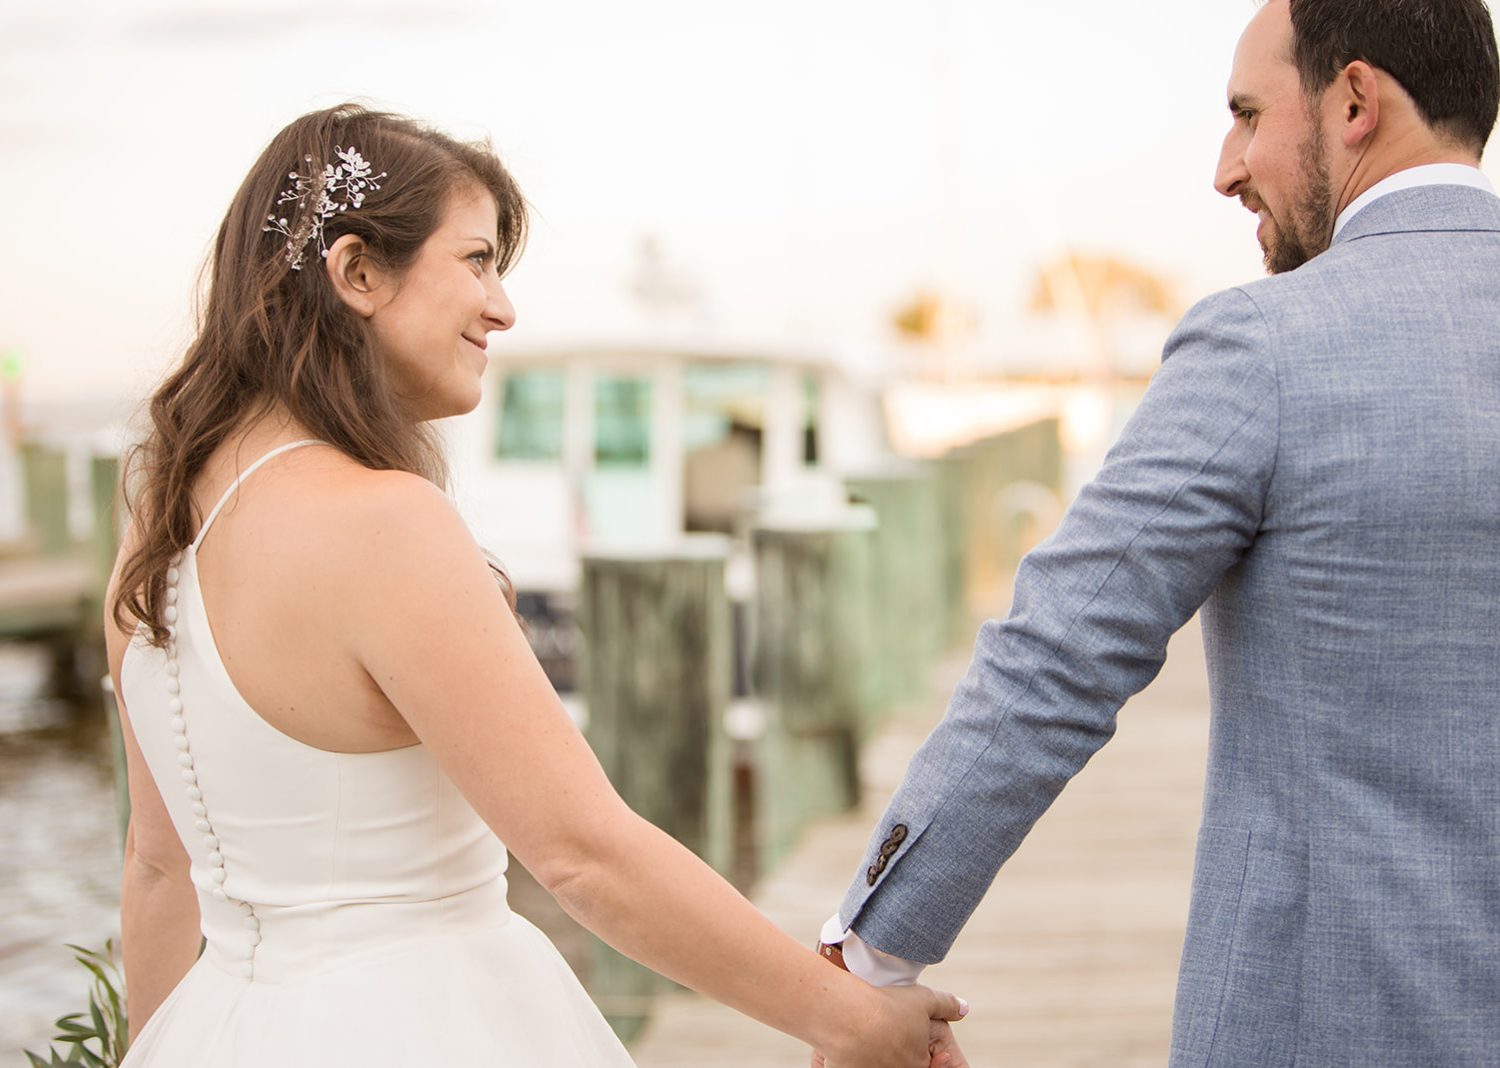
x=332 y=717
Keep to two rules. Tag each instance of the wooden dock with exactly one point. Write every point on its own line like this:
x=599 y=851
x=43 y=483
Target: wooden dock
x=1071 y=960
x=45 y=595
x=52 y=582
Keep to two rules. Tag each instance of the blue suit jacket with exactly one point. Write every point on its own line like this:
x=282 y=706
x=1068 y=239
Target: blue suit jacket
x=1317 y=465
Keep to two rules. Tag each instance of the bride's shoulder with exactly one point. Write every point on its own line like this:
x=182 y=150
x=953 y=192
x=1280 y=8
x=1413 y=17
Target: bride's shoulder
x=375 y=514
x=353 y=485
x=386 y=541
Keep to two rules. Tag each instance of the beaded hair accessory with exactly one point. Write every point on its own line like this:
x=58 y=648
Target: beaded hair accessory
x=316 y=198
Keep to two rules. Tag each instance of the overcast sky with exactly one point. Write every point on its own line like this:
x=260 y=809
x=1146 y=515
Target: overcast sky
x=806 y=164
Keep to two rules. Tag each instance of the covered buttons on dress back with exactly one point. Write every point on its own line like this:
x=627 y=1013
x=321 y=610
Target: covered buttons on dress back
x=177 y=723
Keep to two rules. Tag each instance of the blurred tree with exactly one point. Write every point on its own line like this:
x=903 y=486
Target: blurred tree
x=1102 y=285
x=938 y=324
x=1101 y=290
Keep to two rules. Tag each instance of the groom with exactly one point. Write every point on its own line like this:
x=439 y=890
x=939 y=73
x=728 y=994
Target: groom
x=1317 y=466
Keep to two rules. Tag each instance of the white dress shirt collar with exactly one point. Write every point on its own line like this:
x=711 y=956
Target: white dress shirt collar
x=1427 y=174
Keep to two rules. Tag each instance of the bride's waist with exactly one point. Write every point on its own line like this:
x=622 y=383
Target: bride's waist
x=274 y=944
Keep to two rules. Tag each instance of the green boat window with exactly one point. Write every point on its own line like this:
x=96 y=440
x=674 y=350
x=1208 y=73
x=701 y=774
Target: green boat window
x=622 y=421
x=531 y=416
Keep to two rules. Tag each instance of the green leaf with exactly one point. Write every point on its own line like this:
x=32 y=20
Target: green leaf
x=107 y=1014
x=98 y=1018
x=97 y=971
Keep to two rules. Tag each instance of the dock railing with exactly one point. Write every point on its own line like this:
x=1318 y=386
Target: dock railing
x=851 y=606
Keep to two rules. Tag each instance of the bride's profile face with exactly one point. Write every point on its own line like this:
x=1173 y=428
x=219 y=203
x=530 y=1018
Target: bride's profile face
x=434 y=328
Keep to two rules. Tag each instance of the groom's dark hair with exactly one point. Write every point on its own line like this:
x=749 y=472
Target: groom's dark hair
x=1441 y=51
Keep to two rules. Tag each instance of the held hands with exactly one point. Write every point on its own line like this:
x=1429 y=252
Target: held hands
x=942 y=1046
x=913 y=1032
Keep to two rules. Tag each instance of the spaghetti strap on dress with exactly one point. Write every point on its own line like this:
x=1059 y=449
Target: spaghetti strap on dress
x=353 y=904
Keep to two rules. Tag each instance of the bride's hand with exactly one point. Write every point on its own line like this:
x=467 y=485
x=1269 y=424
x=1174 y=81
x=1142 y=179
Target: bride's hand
x=913 y=1033
x=942 y=1046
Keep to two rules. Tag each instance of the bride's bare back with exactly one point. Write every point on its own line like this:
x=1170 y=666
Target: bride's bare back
x=278 y=572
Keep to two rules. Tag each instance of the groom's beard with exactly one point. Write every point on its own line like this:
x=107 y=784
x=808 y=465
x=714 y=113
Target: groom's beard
x=1308 y=228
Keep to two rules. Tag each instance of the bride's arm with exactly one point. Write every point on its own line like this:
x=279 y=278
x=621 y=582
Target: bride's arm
x=159 y=936
x=436 y=636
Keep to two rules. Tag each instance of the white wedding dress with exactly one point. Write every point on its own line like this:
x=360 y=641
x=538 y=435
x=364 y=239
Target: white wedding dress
x=353 y=903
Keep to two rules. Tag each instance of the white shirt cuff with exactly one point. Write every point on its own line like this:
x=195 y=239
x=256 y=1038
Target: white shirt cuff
x=867 y=962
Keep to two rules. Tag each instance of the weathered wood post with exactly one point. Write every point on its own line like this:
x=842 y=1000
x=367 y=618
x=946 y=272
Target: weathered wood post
x=104 y=537
x=1029 y=454
x=46 y=491
x=46 y=475
x=953 y=507
x=906 y=588
x=656 y=671
x=814 y=656
x=104 y=543
x=116 y=754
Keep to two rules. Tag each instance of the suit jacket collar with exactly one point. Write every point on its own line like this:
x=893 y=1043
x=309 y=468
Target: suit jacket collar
x=1428 y=207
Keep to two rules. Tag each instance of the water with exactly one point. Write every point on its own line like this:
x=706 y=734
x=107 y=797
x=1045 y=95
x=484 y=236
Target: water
x=59 y=852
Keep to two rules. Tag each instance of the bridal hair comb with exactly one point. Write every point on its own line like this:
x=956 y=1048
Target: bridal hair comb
x=315 y=196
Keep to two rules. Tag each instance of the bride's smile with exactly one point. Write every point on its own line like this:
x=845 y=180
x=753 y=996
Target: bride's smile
x=433 y=322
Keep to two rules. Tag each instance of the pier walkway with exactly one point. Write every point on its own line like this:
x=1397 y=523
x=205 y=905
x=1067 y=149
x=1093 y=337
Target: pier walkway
x=1071 y=960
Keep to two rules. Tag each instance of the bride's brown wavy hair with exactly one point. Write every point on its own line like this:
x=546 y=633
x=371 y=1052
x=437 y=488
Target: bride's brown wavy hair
x=271 y=337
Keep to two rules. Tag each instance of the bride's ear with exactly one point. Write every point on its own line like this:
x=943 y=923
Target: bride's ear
x=355 y=277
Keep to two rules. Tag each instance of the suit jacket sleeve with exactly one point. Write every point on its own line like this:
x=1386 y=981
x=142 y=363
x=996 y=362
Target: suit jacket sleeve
x=1177 y=502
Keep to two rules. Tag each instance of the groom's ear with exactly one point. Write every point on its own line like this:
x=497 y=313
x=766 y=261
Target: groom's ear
x=1355 y=93
x=356 y=279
